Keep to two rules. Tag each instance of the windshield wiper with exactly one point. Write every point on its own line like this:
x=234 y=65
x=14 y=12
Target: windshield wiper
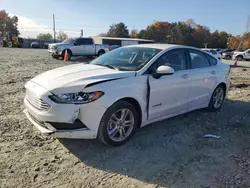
x=109 y=66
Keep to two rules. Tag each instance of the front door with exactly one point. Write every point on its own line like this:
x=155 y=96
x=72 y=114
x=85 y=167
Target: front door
x=169 y=94
x=79 y=46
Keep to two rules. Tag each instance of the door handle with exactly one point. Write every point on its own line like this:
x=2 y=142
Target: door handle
x=185 y=76
x=213 y=72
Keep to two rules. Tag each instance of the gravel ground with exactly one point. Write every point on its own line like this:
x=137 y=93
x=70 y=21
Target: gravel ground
x=170 y=153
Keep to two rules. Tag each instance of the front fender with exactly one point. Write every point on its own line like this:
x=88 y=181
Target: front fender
x=132 y=87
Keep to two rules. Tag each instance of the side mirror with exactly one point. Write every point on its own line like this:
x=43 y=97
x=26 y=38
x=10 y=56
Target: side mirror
x=163 y=70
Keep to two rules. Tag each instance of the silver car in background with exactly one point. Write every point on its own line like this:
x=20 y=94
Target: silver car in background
x=77 y=47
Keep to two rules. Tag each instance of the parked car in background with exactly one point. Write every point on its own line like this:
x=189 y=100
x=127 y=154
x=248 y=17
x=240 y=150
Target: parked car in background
x=34 y=45
x=212 y=52
x=123 y=90
x=227 y=54
x=77 y=47
x=242 y=55
x=46 y=45
x=219 y=50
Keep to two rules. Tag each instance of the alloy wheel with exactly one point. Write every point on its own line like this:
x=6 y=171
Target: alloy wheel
x=121 y=125
x=218 y=97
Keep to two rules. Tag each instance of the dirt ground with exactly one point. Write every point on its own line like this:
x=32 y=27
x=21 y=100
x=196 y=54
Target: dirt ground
x=171 y=153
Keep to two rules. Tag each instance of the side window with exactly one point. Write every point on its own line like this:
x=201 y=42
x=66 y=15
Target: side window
x=248 y=51
x=212 y=60
x=78 y=42
x=87 y=41
x=213 y=52
x=198 y=59
x=173 y=58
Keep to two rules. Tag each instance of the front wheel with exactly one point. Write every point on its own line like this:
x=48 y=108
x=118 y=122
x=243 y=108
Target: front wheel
x=2 y=43
x=69 y=54
x=118 y=124
x=228 y=57
x=217 y=98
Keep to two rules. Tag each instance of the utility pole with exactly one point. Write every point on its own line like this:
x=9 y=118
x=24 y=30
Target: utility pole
x=54 y=27
x=242 y=38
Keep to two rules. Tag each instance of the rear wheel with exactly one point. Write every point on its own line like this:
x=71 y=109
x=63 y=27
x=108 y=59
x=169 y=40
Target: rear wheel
x=10 y=44
x=101 y=52
x=239 y=58
x=118 y=124
x=217 y=98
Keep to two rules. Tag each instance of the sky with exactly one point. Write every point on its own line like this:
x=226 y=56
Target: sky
x=95 y=16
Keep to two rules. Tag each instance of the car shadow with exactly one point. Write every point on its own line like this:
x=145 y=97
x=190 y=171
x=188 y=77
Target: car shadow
x=160 y=153
x=239 y=66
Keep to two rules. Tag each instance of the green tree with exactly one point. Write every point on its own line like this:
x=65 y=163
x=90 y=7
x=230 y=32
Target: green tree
x=7 y=23
x=223 y=39
x=44 y=36
x=202 y=36
x=215 y=39
x=118 y=30
x=62 y=36
x=143 y=34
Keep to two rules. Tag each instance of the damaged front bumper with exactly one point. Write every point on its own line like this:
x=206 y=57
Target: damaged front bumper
x=65 y=120
x=48 y=130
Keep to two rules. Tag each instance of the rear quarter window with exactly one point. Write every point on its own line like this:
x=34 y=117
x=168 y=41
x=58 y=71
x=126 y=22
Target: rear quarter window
x=211 y=60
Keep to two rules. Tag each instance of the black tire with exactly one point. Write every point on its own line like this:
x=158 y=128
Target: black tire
x=69 y=54
x=55 y=56
x=10 y=44
x=239 y=58
x=2 y=43
x=212 y=106
x=101 y=52
x=103 y=128
x=228 y=57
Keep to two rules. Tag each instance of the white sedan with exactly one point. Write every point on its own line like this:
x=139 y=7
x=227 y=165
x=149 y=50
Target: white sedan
x=213 y=52
x=123 y=90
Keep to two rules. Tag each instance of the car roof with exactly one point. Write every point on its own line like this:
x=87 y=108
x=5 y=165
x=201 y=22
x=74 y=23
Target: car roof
x=75 y=38
x=158 y=46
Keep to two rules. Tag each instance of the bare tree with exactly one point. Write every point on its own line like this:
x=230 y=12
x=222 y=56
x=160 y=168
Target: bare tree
x=62 y=36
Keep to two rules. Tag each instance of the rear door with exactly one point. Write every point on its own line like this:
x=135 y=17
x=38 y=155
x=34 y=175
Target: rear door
x=89 y=46
x=204 y=77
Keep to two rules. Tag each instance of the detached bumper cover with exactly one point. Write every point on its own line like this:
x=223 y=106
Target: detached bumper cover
x=51 y=131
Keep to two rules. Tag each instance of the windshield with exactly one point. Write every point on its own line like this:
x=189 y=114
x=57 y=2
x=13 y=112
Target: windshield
x=127 y=58
x=69 y=41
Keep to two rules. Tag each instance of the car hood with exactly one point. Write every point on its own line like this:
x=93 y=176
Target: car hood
x=58 y=45
x=76 y=77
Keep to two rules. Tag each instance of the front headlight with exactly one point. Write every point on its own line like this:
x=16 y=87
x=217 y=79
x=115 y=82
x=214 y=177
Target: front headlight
x=76 y=98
